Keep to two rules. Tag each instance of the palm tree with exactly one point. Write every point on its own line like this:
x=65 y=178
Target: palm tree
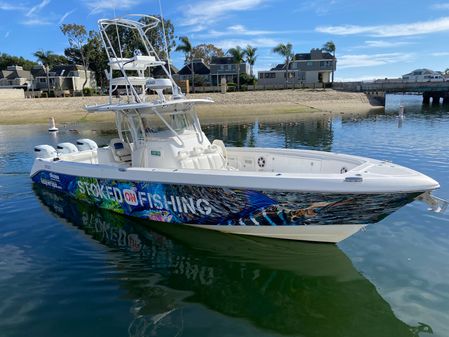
x=329 y=46
x=187 y=48
x=251 y=57
x=46 y=58
x=238 y=54
x=285 y=50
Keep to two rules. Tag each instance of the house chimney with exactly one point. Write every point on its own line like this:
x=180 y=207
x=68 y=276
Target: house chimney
x=315 y=53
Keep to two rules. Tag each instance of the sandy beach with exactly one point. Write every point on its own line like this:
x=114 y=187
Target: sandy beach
x=228 y=107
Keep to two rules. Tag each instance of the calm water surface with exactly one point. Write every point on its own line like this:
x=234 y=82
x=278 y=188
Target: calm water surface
x=69 y=270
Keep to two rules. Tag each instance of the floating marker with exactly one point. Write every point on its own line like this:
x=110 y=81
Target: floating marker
x=51 y=125
x=401 y=111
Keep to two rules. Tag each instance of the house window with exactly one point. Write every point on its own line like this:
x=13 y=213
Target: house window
x=309 y=63
x=42 y=80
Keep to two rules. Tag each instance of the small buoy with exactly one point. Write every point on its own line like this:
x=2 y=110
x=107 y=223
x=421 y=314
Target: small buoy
x=51 y=125
x=401 y=111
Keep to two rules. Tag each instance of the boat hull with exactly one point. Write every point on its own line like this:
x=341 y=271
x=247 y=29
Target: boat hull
x=295 y=215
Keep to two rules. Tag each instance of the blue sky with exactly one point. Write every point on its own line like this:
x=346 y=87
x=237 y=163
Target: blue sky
x=374 y=39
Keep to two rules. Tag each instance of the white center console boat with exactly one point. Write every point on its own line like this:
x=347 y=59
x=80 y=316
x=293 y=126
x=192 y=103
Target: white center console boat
x=162 y=167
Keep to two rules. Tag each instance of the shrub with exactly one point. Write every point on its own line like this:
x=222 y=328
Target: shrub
x=246 y=79
x=89 y=91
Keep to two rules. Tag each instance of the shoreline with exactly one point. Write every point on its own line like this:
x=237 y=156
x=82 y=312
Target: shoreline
x=229 y=107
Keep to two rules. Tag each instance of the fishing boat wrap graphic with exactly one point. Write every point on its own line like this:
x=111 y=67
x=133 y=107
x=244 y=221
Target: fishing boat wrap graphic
x=206 y=205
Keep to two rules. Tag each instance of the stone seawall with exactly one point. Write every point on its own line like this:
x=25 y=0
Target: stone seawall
x=8 y=94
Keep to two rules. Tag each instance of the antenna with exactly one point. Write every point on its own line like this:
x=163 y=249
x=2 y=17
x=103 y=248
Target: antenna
x=165 y=38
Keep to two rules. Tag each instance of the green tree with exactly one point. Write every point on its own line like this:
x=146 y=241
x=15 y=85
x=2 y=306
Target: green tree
x=56 y=60
x=10 y=60
x=285 y=50
x=329 y=46
x=73 y=55
x=131 y=41
x=186 y=47
x=156 y=36
x=238 y=55
x=77 y=37
x=251 y=57
x=206 y=52
x=98 y=59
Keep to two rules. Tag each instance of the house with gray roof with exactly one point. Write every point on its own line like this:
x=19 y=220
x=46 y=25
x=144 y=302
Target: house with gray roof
x=68 y=77
x=225 y=67
x=158 y=71
x=200 y=69
x=307 y=68
x=423 y=75
x=15 y=77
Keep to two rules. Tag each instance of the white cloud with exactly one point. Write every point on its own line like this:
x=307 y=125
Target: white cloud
x=442 y=6
x=5 y=6
x=97 y=6
x=441 y=53
x=207 y=12
x=261 y=42
x=383 y=44
x=371 y=60
x=320 y=7
x=37 y=8
x=36 y=22
x=239 y=30
x=407 y=29
x=7 y=35
x=66 y=14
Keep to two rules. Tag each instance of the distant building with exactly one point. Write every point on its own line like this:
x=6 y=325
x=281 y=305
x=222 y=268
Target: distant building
x=308 y=68
x=15 y=77
x=69 y=77
x=158 y=71
x=201 y=72
x=225 y=67
x=423 y=75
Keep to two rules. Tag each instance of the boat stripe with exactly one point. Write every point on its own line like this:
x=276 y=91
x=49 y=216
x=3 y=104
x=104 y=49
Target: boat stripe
x=251 y=216
x=265 y=215
x=281 y=215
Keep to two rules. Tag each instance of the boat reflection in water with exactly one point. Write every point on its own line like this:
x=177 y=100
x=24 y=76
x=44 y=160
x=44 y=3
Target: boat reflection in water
x=284 y=287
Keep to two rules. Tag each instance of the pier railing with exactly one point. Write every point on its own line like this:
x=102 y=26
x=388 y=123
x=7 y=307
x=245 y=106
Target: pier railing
x=377 y=90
